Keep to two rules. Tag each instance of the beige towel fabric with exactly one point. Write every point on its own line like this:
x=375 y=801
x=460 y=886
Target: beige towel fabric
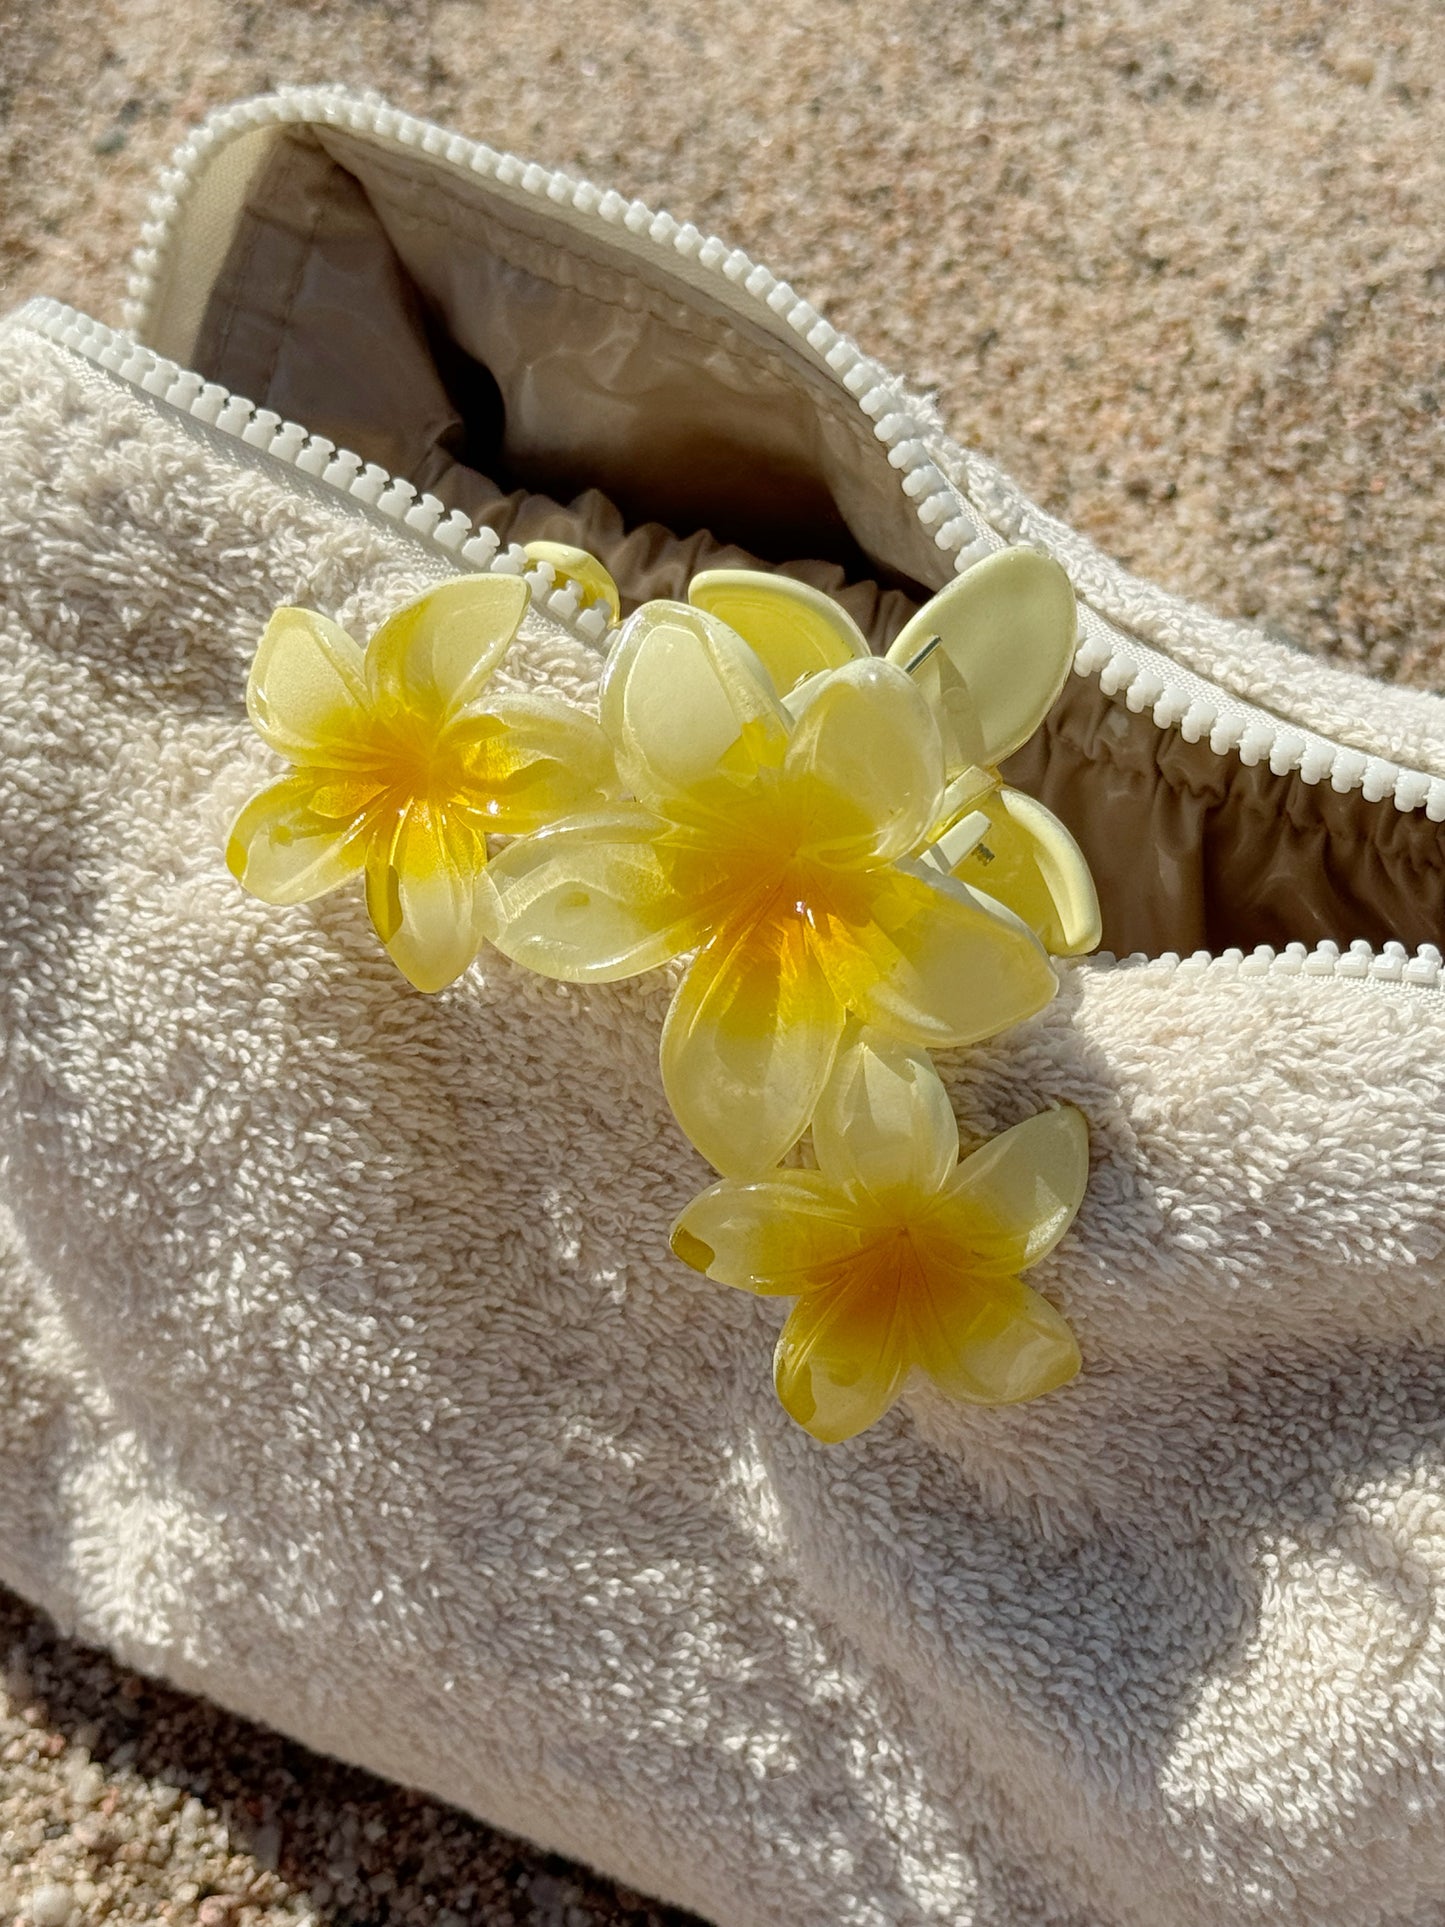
x=346 y=1375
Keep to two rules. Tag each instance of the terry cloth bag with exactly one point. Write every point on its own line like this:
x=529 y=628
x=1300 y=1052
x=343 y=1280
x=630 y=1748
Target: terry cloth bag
x=346 y=1375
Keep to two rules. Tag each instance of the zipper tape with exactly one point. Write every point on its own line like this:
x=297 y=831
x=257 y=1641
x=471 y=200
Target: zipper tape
x=1424 y=969
x=1122 y=664
x=470 y=546
x=265 y=432
x=731 y=274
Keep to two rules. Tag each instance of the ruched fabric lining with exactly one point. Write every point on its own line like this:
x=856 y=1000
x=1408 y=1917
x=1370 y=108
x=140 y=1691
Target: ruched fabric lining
x=1196 y=851
x=549 y=396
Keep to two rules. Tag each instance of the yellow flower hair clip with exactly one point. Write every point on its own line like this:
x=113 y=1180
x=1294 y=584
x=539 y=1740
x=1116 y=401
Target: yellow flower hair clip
x=901 y=1256
x=814 y=825
x=990 y=652
x=402 y=765
x=780 y=844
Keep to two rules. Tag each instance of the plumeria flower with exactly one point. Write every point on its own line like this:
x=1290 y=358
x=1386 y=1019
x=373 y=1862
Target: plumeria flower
x=991 y=652
x=901 y=1255
x=779 y=844
x=402 y=765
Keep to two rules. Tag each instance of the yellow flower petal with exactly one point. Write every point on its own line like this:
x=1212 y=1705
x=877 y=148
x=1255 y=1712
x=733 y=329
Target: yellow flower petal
x=582 y=570
x=344 y=795
x=593 y=899
x=283 y=851
x=1010 y=1201
x=684 y=699
x=951 y=966
x=1007 y=629
x=306 y=694
x=532 y=759
x=748 y=1044
x=782 y=1237
x=841 y=1360
x=1028 y=861
x=991 y=1341
x=427 y=892
x=868 y=737
x=794 y=629
x=884 y=1123
x=436 y=654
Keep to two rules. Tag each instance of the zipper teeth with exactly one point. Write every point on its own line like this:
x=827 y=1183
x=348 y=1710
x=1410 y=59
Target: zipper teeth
x=937 y=503
x=1145 y=678
x=480 y=549
x=1180 y=699
x=472 y=547
x=1358 y=963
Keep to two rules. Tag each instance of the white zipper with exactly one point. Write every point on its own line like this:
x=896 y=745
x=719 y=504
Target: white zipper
x=936 y=501
x=467 y=545
x=429 y=521
x=1122 y=664
x=1394 y=965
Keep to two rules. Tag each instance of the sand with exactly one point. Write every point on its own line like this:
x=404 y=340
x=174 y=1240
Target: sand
x=1177 y=264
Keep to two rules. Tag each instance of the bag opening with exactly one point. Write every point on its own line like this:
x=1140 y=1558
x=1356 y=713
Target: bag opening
x=549 y=392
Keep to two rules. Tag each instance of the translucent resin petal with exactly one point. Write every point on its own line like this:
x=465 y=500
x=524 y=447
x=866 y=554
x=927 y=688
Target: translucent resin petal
x=346 y=795
x=794 y=630
x=952 y=966
x=592 y=899
x=869 y=739
x=575 y=567
x=884 y=1123
x=1010 y=1201
x=991 y=1341
x=784 y=1236
x=748 y=1044
x=841 y=1360
x=426 y=891
x=684 y=699
x=1029 y=861
x=1006 y=628
x=436 y=654
x=283 y=851
x=897 y=1260
x=306 y=693
x=528 y=760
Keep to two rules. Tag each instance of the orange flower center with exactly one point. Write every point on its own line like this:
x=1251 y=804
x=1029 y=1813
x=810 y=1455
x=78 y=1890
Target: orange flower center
x=777 y=849
x=896 y=1273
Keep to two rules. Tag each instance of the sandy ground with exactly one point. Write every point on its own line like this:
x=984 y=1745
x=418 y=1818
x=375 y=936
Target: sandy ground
x=1178 y=264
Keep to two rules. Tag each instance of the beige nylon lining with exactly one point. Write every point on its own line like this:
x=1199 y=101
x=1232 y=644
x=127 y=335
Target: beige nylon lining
x=452 y=346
